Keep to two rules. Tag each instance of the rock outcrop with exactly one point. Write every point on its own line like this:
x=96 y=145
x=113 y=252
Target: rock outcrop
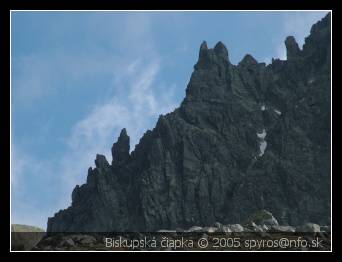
x=246 y=137
x=261 y=227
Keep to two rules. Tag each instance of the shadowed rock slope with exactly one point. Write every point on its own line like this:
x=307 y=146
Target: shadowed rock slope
x=246 y=137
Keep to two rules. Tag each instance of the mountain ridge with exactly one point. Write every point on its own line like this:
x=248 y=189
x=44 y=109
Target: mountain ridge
x=204 y=162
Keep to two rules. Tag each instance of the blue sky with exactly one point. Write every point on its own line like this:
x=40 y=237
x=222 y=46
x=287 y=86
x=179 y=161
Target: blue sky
x=78 y=78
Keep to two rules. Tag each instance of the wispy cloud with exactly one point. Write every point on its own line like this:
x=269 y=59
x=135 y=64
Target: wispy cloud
x=133 y=99
x=136 y=109
x=297 y=24
x=39 y=76
x=138 y=100
x=100 y=128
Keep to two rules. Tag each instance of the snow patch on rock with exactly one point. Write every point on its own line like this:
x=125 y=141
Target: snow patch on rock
x=277 y=111
x=262 y=142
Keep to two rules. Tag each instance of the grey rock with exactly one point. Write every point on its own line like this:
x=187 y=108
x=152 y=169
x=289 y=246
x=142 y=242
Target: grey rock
x=309 y=227
x=101 y=162
x=235 y=228
x=226 y=229
x=205 y=236
x=86 y=240
x=325 y=229
x=168 y=231
x=263 y=217
x=221 y=51
x=265 y=228
x=203 y=50
x=68 y=243
x=252 y=227
x=195 y=229
x=201 y=163
x=248 y=61
x=120 y=149
x=218 y=225
x=210 y=229
x=77 y=238
x=292 y=47
x=277 y=228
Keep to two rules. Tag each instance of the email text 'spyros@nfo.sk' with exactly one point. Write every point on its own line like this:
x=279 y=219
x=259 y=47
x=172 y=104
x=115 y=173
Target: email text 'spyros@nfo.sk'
x=213 y=243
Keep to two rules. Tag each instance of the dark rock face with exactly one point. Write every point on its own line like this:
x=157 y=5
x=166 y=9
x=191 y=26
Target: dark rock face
x=292 y=48
x=120 y=149
x=245 y=138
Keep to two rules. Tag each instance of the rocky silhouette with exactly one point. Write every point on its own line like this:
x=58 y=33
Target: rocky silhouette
x=246 y=137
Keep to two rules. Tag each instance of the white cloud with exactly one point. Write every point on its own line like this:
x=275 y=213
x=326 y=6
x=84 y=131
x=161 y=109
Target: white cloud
x=127 y=35
x=136 y=111
x=297 y=24
x=142 y=100
x=135 y=102
x=139 y=100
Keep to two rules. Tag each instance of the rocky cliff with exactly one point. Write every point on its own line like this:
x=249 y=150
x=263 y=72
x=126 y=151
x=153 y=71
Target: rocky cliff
x=246 y=137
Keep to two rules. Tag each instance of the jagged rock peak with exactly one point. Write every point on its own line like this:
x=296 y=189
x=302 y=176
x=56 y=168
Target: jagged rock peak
x=323 y=24
x=74 y=193
x=203 y=49
x=320 y=37
x=120 y=149
x=123 y=134
x=248 y=60
x=221 y=50
x=101 y=161
x=198 y=164
x=212 y=54
x=292 y=48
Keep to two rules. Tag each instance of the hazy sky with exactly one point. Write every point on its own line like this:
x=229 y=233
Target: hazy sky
x=78 y=78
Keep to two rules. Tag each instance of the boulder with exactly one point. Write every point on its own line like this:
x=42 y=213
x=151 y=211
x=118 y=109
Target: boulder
x=283 y=229
x=263 y=217
x=235 y=228
x=195 y=229
x=308 y=227
x=68 y=242
x=325 y=229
